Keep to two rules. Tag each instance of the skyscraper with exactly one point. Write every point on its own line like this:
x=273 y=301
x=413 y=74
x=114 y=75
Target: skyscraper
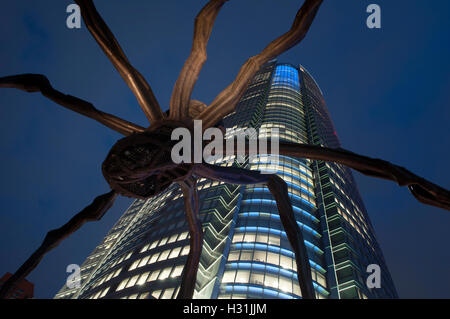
x=246 y=253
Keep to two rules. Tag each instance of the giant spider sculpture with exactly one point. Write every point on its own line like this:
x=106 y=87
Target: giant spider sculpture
x=140 y=164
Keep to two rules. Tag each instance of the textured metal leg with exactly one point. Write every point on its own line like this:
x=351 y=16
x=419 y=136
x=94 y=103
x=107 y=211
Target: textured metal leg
x=278 y=188
x=189 y=275
x=108 y=43
x=93 y=212
x=40 y=83
x=181 y=94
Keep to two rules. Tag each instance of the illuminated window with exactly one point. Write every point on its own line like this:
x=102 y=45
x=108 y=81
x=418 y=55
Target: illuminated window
x=185 y=250
x=144 y=248
x=163 y=241
x=271 y=281
x=234 y=255
x=228 y=276
x=156 y=293
x=260 y=256
x=286 y=262
x=175 y=252
x=105 y=291
x=297 y=289
x=164 y=255
x=154 y=258
x=134 y=265
x=143 y=278
x=167 y=293
x=262 y=238
x=274 y=240
x=246 y=255
x=154 y=244
x=172 y=239
x=132 y=281
x=122 y=284
x=177 y=271
x=165 y=273
x=144 y=261
x=273 y=258
x=154 y=275
x=285 y=285
x=249 y=238
x=243 y=276
x=238 y=237
x=257 y=278
x=117 y=272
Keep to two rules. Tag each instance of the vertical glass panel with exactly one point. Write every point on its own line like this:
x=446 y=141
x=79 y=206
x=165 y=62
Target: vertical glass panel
x=143 y=278
x=257 y=278
x=260 y=256
x=273 y=258
x=285 y=284
x=177 y=271
x=167 y=293
x=122 y=284
x=132 y=281
x=286 y=262
x=249 y=238
x=165 y=273
x=154 y=275
x=156 y=294
x=234 y=255
x=271 y=281
x=243 y=276
x=228 y=276
x=261 y=238
x=175 y=252
x=246 y=255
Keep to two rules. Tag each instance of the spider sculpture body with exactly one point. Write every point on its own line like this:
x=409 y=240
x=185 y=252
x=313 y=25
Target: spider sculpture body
x=140 y=165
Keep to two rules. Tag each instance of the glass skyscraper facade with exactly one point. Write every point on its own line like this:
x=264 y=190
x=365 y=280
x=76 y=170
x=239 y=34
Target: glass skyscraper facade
x=246 y=253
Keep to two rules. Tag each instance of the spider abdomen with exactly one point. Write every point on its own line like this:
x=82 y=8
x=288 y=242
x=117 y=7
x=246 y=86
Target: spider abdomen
x=140 y=165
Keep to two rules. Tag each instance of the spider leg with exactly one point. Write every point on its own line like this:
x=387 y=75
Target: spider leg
x=423 y=190
x=93 y=212
x=191 y=204
x=135 y=81
x=40 y=83
x=279 y=190
x=226 y=101
x=181 y=94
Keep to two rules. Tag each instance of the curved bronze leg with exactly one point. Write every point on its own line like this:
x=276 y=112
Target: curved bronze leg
x=93 y=212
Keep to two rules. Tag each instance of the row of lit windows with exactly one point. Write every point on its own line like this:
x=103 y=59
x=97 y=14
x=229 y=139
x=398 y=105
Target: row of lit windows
x=263 y=238
x=264 y=279
x=287 y=161
x=276 y=97
x=295 y=110
x=166 y=240
x=272 y=258
x=282 y=169
x=356 y=224
x=160 y=256
x=104 y=279
x=100 y=294
x=289 y=112
x=121 y=259
x=149 y=276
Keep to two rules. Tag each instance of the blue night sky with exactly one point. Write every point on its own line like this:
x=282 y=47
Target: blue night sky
x=387 y=90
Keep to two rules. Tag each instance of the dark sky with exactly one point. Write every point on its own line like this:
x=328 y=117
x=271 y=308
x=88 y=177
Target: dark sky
x=387 y=90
